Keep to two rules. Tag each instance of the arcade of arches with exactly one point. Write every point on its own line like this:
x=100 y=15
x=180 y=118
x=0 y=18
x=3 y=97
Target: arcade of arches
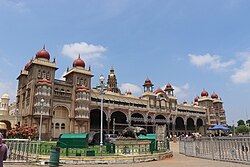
x=116 y=121
x=4 y=126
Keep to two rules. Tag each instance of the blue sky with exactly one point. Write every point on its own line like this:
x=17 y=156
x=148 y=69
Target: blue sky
x=193 y=45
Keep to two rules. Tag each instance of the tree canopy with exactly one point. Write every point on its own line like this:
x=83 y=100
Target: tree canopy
x=243 y=129
x=240 y=122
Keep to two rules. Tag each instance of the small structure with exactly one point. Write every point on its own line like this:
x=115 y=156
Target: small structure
x=73 y=140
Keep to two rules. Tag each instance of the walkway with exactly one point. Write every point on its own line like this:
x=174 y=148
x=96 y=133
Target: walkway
x=177 y=161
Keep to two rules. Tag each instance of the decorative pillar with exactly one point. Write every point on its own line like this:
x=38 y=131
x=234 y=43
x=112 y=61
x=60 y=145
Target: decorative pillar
x=71 y=126
x=108 y=126
x=168 y=130
x=185 y=129
x=173 y=130
x=129 y=118
x=185 y=124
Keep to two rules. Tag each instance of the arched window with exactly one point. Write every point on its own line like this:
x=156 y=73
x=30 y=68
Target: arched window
x=48 y=75
x=77 y=81
x=85 y=83
x=39 y=74
x=62 y=91
x=81 y=82
x=56 y=91
x=63 y=126
x=52 y=125
x=43 y=75
x=57 y=125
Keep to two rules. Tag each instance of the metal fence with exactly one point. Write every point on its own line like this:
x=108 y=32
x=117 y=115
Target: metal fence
x=25 y=150
x=233 y=149
x=21 y=150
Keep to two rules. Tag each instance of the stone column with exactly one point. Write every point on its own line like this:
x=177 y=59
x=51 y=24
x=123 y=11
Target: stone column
x=173 y=129
x=168 y=129
x=72 y=124
x=108 y=126
x=185 y=128
x=108 y=119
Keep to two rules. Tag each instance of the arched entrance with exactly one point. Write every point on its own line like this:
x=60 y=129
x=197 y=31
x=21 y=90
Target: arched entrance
x=95 y=121
x=179 y=126
x=4 y=126
x=59 y=121
x=120 y=121
x=150 y=127
x=190 y=126
x=200 y=126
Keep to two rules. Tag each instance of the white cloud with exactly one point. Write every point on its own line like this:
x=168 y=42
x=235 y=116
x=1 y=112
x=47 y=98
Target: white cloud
x=62 y=78
x=182 y=92
x=130 y=87
x=88 y=52
x=211 y=61
x=15 y=6
x=242 y=74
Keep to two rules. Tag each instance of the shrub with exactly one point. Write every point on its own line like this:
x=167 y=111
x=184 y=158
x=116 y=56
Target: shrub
x=22 y=132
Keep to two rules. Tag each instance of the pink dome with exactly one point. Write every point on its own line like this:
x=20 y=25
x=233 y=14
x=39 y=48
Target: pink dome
x=159 y=90
x=147 y=81
x=79 y=62
x=214 y=96
x=168 y=85
x=43 y=54
x=204 y=93
x=196 y=99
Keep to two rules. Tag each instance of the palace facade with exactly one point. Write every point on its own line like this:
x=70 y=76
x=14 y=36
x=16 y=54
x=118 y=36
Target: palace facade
x=73 y=106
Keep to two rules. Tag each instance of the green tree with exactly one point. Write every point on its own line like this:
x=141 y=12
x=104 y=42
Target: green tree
x=248 y=122
x=240 y=122
x=243 y=129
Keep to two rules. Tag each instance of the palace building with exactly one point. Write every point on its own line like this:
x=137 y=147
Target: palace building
x=74 y=106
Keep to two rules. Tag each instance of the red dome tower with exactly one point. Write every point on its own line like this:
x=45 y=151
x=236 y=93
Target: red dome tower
x=214 y=96
x=148 y=86
x=79 y=62
x=43 y=54
x=204 y=93
x=159 y=90
x=196 y=99
x=169 y=89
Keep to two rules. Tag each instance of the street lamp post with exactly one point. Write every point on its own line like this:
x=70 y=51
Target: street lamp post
x=40 y=128
x=41 y=120
x=101 y=130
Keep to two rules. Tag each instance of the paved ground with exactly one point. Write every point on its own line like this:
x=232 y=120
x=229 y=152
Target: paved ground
x=177 y=161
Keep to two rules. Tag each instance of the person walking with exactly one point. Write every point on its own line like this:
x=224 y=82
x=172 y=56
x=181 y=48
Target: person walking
x=3 y=151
